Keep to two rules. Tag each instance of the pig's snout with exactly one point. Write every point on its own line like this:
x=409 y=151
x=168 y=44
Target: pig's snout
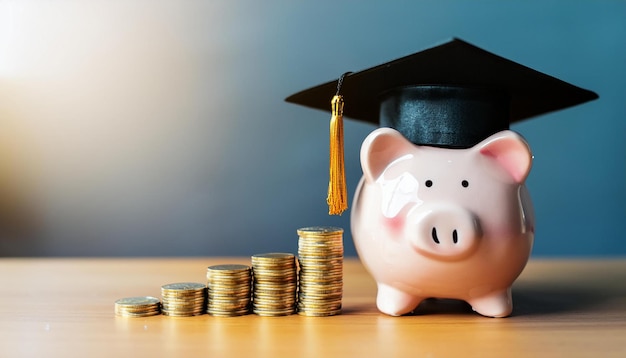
x=445 y=232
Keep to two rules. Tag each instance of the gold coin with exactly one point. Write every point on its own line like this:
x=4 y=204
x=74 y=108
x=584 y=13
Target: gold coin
x=273 y=257
x=141 y=301
x=181 y=314
x=306 y=261
x=274 y=312
x=291 y=287
x=319 y=287
x=326 y=243
x=319 y=230
x=142 y=306
x=272 y=270
x=229 y=314
x=289 y=281
x=318 y=306
x=274 y=304
x=139 y=314
x=231 y=268
x=138 y=311
x=240 y=275
x=320 y=296
x=319 y=314
x=184 y=298
x=183 y=286
x=331 y=273
x=274 y=284
x=274 y=298
x=184 y=304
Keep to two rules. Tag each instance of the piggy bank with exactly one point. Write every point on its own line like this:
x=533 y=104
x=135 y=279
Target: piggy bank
x=431 y=222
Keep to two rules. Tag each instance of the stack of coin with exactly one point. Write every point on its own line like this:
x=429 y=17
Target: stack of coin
x=229 y=290
x=138 y=306
x=274 y=284
x=320 y=255
x=183 y=299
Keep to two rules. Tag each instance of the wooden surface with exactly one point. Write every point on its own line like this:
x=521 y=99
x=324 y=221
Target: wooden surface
x=64 y=308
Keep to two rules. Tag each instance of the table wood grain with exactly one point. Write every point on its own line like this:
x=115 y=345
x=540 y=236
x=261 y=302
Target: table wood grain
x=65 y=308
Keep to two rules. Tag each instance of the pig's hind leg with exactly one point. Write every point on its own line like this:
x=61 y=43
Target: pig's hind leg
x=494 y=304
x=394 y=302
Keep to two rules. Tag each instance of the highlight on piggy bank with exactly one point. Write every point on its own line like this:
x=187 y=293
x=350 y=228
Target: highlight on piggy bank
x=442 y=210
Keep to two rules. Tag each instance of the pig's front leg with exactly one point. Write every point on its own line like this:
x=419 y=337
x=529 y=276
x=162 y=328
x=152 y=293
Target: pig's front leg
x=495 y=304
x=394 y=302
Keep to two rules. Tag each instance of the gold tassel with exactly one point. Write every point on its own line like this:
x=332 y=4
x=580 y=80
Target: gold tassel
x=337 y=192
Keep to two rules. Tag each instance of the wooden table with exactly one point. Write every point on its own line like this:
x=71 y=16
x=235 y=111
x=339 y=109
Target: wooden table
x=64 y=308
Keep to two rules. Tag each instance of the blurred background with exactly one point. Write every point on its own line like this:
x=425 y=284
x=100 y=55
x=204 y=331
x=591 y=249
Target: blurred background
x=159 y=128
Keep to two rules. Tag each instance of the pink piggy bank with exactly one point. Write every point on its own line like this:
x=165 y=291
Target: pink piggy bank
x=432 y=222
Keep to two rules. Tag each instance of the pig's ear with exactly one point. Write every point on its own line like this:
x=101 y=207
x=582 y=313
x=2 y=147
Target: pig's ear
x=381 y=147
x=510 y=151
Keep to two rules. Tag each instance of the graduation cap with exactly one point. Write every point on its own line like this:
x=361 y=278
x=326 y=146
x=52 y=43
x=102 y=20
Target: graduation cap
x=452 y=95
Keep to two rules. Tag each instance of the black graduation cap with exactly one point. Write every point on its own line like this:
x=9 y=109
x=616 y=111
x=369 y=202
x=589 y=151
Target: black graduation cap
x=451 y=95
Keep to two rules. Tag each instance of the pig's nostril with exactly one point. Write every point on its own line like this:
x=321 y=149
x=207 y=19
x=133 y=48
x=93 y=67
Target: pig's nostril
x=455 y=237
x=434 y=234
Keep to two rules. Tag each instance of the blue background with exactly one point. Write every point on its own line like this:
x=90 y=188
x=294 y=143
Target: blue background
x=158 y=128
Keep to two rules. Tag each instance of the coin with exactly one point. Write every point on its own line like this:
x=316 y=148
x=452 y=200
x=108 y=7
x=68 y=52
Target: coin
x=229 y=290
x=273 y=312
x=320 y=278
x=319 y=231
x=230 y=313
x=183 y=299
x=183 y=286
x=323 y=313
x=229 y=269
x=180 y=314
x=137 y=301
x=274 y=283
x=142 y=306
x=274 y=257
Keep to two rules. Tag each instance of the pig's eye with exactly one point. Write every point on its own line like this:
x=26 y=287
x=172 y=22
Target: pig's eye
x=465 y=183
x=428 y=183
